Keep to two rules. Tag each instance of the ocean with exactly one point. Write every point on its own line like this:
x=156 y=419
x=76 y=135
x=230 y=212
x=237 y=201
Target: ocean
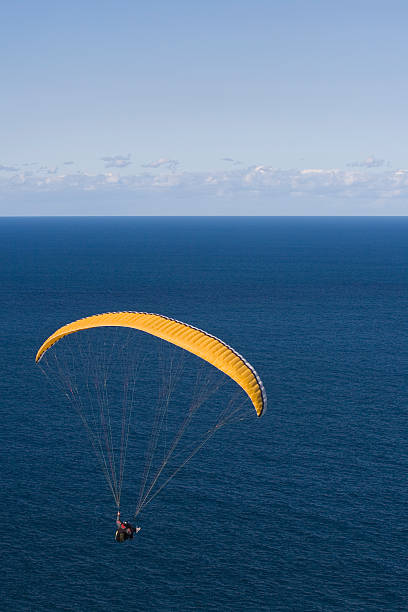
x=303 y=509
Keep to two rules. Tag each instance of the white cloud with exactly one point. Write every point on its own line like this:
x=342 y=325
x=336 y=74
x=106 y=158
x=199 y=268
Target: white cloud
x=370 y=162
x=117 y=161
x=163 y=162
x=259 y=181
x=8 y=168
x=111 y=178
x=231 y=160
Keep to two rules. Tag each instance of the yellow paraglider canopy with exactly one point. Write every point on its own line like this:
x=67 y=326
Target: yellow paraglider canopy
x=187 y=337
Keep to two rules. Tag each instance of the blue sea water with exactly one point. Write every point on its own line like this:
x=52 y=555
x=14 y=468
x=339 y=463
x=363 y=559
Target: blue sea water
x=304 y=509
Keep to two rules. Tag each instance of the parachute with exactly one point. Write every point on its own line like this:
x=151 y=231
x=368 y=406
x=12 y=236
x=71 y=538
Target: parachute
x=101 y=378
x=185 y=336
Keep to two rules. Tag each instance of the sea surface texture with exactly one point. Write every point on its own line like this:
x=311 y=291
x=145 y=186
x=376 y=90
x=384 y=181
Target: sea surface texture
x=304 y=509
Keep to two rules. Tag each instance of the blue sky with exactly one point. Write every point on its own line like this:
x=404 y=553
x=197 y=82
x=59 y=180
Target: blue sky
x=185 y=107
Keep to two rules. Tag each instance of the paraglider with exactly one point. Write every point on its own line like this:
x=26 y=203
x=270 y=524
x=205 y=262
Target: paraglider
x=111 y=373
x=125 y=530
x=186 y=336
